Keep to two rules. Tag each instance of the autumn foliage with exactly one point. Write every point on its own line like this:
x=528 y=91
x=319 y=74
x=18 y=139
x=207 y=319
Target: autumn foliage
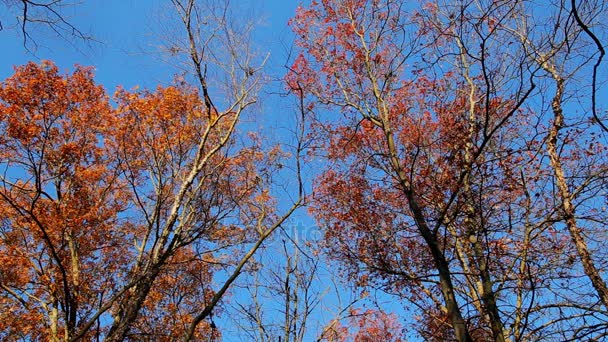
x=437 y=187
x=364 y=326
x=62 y=238
x=457 y=169
x=96 y=197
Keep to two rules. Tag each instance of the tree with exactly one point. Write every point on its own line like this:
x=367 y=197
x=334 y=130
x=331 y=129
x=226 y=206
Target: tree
x=365 y=326
x=554 y=56
x=59 y=196
x=46 y=13
x=406 y=150
x=563 y=47
x=116 y=219
x=68 y=193
x=285 y=292
x=436 y=188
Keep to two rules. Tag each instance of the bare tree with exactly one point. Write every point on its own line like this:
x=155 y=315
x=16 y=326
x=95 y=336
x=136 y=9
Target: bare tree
x=284 y=292
x=47 y=14
x=562 y=52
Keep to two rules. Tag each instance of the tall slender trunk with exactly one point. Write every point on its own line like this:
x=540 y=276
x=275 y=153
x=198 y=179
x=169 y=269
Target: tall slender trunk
x=54 y=318
x=488 y=296
x=564 y=192
x=445 y=278
x=473 y=228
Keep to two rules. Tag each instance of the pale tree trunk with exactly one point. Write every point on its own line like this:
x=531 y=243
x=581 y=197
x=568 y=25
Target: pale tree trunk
x=546 y=62
x=473 y=229
x=564 y=192
x=54 y=317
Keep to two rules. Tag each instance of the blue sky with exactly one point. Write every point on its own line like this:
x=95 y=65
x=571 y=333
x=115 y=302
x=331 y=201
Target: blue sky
x=127 y=34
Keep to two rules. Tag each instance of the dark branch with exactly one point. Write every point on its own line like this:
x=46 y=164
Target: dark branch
x=600 y=48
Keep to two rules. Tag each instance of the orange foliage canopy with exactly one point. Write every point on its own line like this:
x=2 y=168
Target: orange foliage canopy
x=365 y=326
x=94 y=199
x=62 y=243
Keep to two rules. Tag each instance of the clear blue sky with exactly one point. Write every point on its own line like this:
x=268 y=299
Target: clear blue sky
x=127 y=31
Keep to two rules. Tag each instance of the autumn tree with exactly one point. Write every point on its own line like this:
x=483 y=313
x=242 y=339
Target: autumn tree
x=553 y=53
x=60 y=201
x=436 y=188
x=116 y=217
x=364 y=326
x=565 y=49
x=404 y=145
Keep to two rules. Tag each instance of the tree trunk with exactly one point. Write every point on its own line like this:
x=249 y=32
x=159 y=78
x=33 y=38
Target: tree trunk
x=441 y=263
x=130 y=306
x=565 y=195
x=442 y=266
